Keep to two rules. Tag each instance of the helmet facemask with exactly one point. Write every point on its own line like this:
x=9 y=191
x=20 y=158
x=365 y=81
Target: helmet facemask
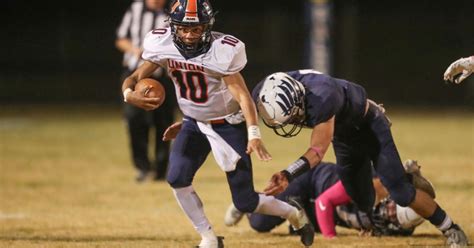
x=292 y=127
x=391 y=219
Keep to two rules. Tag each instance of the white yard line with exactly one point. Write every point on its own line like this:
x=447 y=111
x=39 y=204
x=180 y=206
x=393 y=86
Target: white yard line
x=14 y=123
x=9 y=216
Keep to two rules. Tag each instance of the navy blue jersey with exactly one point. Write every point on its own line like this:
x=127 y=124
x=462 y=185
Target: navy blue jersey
x=327 y=96
x=323 y=177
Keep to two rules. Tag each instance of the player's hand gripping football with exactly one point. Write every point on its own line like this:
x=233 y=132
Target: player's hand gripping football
x=277 y=184
x=172 y=131
x=139 y=99
x=459 y=70
x=256 y=145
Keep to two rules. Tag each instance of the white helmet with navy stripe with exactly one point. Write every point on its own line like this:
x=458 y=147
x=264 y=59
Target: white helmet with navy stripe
x=280 y=102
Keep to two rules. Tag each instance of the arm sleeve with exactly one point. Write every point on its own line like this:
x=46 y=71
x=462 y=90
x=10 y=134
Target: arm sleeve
x=239 y=61
x=150 y=45
x=329 y=109
x=327 y=106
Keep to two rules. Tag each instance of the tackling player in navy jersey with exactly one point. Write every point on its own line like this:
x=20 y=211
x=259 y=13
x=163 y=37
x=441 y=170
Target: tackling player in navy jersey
x=338 y=111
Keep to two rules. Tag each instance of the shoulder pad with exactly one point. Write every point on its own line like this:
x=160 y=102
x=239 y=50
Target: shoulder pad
x=156 y=43
x=156 y=38
x=228 y=53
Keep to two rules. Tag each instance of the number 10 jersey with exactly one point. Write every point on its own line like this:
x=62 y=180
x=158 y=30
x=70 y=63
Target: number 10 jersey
x=200 y=88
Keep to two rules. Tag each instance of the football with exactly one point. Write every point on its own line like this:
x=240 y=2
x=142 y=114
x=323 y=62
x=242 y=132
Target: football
x=156 y=89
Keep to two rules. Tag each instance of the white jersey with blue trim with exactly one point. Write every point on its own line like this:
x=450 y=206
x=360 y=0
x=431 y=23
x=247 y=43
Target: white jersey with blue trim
x=200 y=88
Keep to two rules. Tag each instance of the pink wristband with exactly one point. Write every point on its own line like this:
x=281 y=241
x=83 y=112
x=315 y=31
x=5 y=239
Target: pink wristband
x=317 y=150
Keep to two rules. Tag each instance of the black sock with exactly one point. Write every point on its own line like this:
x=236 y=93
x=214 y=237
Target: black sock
x=440 y=219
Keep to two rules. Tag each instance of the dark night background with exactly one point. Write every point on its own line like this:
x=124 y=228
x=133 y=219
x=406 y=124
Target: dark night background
x=63 y=51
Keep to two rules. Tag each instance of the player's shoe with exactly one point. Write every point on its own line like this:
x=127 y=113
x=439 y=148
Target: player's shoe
x=215 y=243
x=232 y=216
x=306 y=230
x=141 y=176
x=456 y=237
x=291 y=230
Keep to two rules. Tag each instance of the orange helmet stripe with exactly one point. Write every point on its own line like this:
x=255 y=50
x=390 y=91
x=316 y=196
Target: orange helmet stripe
x=175 y=5
x=191 y=8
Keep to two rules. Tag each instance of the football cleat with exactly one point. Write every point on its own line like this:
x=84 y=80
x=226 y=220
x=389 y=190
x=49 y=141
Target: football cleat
x=141 y=176
x=232 y=216
x=215 y=243
x=456 y=237
x=306 y=230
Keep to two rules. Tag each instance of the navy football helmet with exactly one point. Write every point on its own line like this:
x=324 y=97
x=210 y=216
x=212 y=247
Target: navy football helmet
x=192 y=13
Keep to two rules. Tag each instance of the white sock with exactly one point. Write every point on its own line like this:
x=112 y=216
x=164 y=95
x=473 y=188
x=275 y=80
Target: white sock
x=447 y=223
x=269 y=205
x=192 y=206
x=208 y=237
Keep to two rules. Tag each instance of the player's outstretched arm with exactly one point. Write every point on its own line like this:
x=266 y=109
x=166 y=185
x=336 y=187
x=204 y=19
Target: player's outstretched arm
x=321 y=138
x=239 y=91
x=459 y=70
x=138 y=98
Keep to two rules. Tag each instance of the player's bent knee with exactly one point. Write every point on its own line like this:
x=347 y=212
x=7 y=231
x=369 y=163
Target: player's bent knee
x=246 y=203
x=258 y=223
x=177 y=183
x=246 y=207
x=402 y=193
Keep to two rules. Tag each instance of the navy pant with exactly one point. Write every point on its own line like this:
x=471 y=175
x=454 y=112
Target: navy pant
x=367 y=144
x=306 y=187
x=190 y=150
x=300 y=187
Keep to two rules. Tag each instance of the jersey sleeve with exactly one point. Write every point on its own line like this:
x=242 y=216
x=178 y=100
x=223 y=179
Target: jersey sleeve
x=230 y=55
x=240 y=59
x=153 y=45
x=328 y=108
x=322 y=106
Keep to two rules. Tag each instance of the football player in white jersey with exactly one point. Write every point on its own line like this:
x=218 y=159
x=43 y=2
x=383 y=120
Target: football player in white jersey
x=219 y=115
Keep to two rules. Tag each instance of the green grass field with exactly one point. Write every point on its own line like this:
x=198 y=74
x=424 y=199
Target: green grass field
x=66 y=181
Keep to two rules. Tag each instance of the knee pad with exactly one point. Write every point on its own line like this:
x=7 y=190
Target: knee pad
x=175 y=182
x=402 y=193
x=246 y=203
x=259 y=224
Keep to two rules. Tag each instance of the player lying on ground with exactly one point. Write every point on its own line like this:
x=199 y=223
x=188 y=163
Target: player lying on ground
x=459 y=70
x=205 y=67
x=327 y=204
x=338 y=111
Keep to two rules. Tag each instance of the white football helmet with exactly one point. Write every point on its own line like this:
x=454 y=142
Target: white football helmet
x=281 y=102
x=390 y=218
x=408 y=218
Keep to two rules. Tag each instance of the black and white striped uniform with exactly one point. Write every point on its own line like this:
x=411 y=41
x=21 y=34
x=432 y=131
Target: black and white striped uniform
x=136 y=23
